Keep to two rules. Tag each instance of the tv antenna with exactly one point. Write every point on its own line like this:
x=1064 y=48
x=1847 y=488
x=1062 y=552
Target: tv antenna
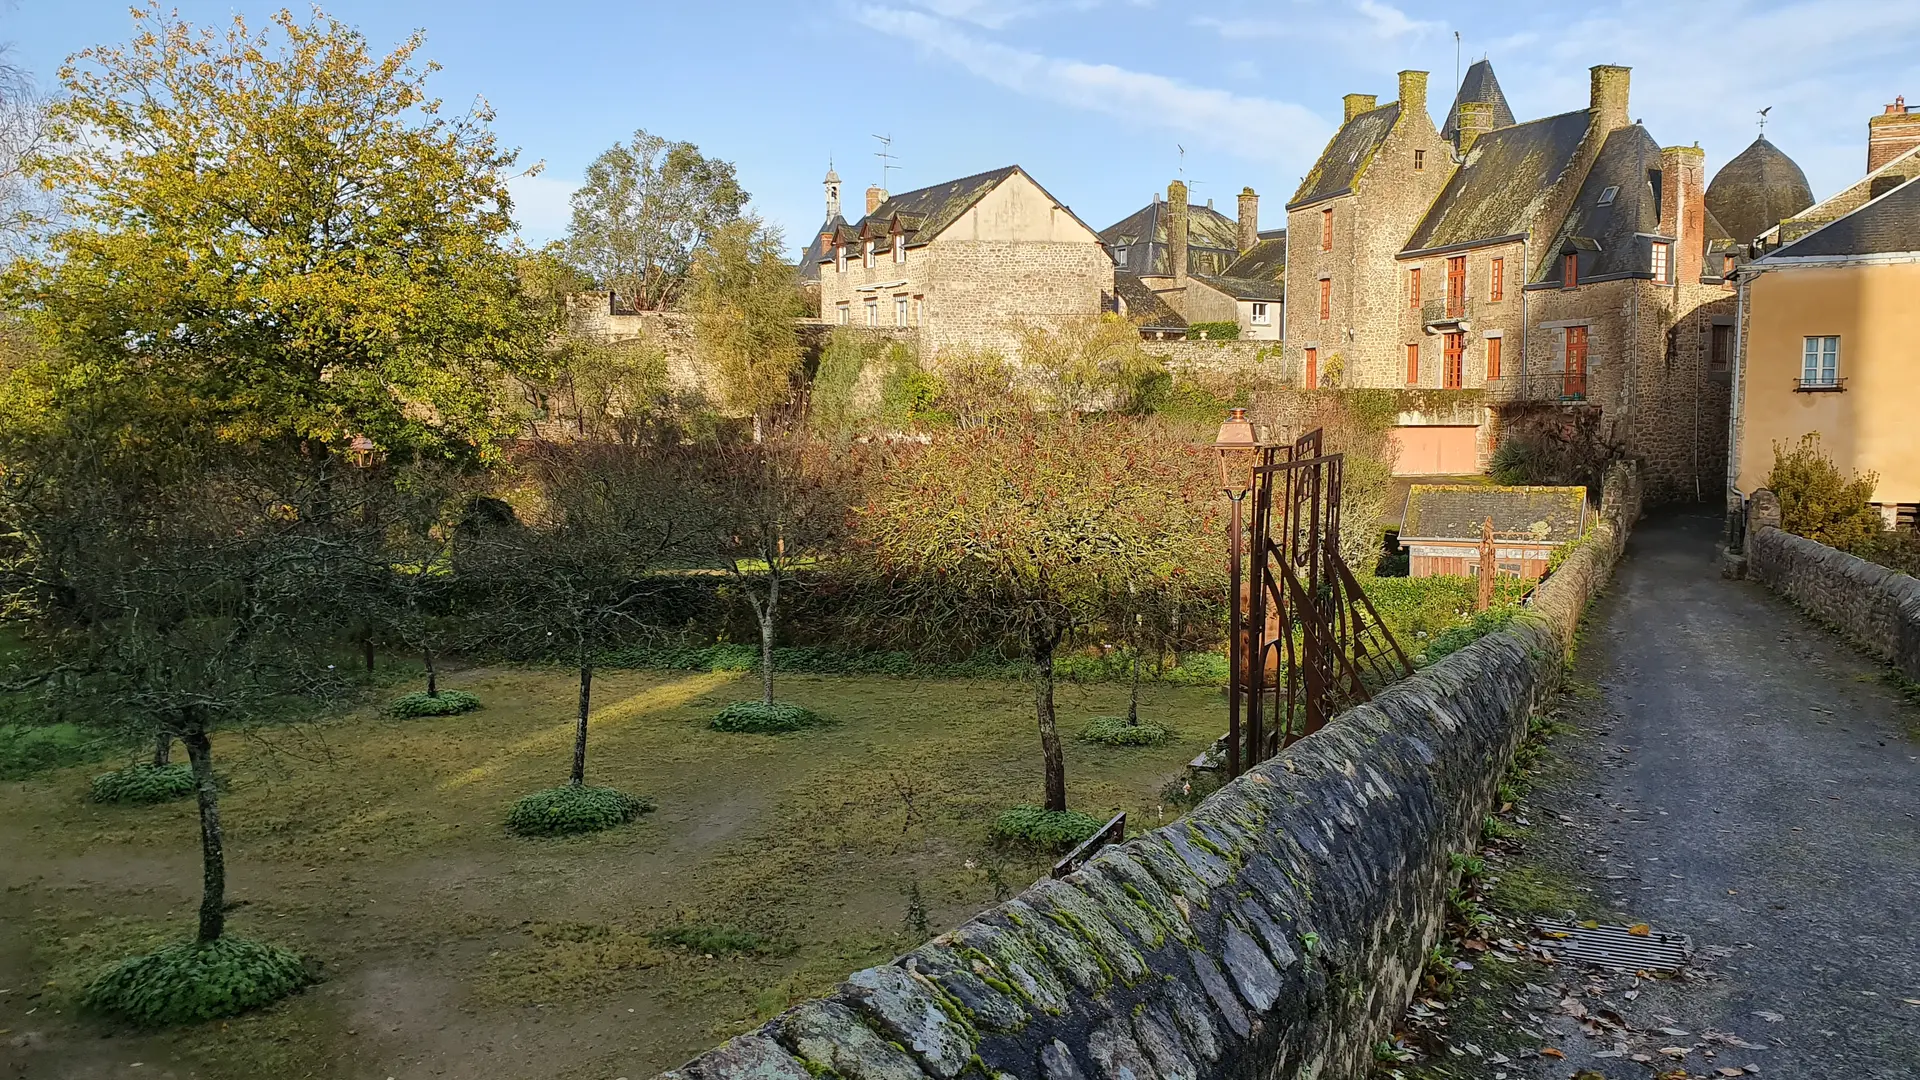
x=886 y=159
x=1763 y=119
x=1183 y=160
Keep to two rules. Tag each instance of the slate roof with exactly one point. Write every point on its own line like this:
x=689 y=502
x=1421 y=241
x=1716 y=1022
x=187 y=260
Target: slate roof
x=1478 y=84
x=1346 y=158
x=1145 y=308
x=1241 y=288
x=818 y=250
x=1213 y=239
x=925 y=213
x=1758 y=189
x=1611 y=238
x=1503 y=183
x=1458 y=512
x=1264 y=261
x=1887 y=225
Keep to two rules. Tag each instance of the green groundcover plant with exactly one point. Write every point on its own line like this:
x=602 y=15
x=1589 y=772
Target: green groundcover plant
x=445 y=703
x=1048 y=830
x=762 y=719
x=196 y=980
x=143 y=783
x=27 y=749
x=572 y=809
x=1118 y=731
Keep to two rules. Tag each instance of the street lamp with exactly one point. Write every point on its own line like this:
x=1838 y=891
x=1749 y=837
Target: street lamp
x=1238 y=447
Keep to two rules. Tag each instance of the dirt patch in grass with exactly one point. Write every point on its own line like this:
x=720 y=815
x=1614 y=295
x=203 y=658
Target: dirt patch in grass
x=773 y=867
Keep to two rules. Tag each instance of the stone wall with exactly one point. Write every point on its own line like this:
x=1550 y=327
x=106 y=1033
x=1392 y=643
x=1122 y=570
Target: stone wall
x=978 y=291
x=1277 y=930
x=1876 y=607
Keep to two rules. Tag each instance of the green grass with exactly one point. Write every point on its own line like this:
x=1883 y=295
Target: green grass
x=26 y=750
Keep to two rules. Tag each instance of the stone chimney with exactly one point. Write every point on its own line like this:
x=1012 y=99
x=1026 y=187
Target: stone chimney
x=1355 y=104
x=1683 y=208
x=1413 y=92
x=1608 y=98
x=1177 y=233
x=1249 y=222
x=1476 y=119
x=832 y=184
x=1892 y=133
x=875 y=196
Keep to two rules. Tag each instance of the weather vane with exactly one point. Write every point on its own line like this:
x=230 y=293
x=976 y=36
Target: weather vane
x=1763 y=119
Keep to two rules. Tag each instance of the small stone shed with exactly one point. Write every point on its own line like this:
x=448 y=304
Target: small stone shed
x=1444 y=523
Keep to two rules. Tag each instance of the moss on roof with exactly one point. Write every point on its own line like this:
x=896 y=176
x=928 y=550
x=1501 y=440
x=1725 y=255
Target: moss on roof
x=1213 y=239
x=1503 y=184
x=1264 y=261
x=1758 y=189
x=1145 y=308
x=1459 y=512
x=1347 y=156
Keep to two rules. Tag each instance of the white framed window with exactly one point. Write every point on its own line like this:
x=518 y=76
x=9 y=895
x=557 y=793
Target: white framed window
x=846 y=314
x=899 y=311
x=1260 y=317
x=899 y=249
x=1661 y=266
x=840 y=258
x=1820 y=362
x=1120 y=257
x=873 y=313
x=866 y=254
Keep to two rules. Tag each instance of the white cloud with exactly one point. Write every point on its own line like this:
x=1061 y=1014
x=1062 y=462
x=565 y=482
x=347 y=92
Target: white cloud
x=1282 y=131
x=1368 y=22
x=540 y=206
x=997 y=14
x=1390 y=22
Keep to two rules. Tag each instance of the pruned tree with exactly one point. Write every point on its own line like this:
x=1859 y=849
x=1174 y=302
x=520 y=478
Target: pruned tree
x=1023 y=538
x=642 y=210
x=1088 y=363
x=743 y=303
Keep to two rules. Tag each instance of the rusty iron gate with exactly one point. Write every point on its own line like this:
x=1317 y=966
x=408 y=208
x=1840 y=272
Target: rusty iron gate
x=1311 y=643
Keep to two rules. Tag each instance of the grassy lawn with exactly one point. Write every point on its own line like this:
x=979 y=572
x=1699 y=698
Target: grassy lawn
x=773 y=867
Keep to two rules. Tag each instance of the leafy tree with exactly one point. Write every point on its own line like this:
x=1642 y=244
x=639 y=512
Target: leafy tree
x=644 y=208
x=1087 y=363
x=282 y=231
x=1024 y=538
x=743 y=302
x=22 y=135
x=1819 y=502
x=978 y=388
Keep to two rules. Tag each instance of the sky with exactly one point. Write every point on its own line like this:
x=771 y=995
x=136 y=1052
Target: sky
x=1102 y=101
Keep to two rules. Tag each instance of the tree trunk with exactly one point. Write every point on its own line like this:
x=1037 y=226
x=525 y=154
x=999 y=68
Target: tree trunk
x=580 y=730
x=1133 y=693
x=1056 y=765
x=213 y=856
x=162 y=748
x=433 y=677
x=766 y=637
x=367 y=644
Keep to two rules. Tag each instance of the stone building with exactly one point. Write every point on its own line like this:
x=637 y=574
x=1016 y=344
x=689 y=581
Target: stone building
x=964 y=263
x=1554 y=266
x=1202 y=265
x=819 y=247
x=1893 y=158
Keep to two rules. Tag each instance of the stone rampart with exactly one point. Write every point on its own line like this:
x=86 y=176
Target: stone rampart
x=1277 y=930
x=1876 y=607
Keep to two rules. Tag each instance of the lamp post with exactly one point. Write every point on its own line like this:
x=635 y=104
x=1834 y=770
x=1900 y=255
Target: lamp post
x=1237 y=446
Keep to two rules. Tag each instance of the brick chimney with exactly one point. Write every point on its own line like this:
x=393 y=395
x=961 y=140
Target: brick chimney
x=1177 y=232
x=875 y=196
x=1355 y=104
x=1683 y=208
x=1413 y=92
x=1476 y=119
x=1608 y=98
x=1249 y=220
x=1892 y=133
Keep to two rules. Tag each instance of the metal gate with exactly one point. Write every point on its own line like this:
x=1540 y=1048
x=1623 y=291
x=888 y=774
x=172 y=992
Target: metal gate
x=1309 y=642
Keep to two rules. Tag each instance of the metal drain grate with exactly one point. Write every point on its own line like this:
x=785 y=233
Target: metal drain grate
x=1615 y=946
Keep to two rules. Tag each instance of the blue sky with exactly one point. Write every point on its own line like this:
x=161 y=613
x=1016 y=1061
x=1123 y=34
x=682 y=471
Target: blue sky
x=1093 y=97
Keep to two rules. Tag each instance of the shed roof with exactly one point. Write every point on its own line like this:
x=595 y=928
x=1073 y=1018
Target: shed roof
x=1145 y=308
x=1244 y=288
x=1887 y=225
x=1347 y=155
x=1503 y=184
x=1264 y=261
x=1554 y=515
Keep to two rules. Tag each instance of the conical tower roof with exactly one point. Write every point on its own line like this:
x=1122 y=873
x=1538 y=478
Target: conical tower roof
x=1478 y=84
x=1757 y=190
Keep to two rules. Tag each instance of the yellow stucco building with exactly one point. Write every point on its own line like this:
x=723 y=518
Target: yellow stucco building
x=1830 y=343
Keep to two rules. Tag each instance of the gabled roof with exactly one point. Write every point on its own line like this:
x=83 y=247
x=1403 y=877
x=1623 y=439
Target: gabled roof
x=1757 y=189
x=1609 y=232
x=1347 y=156
x=1478 y=85
x=1244 y=288
x=1503 y=184
x=1144 y=307
x=819 y=248
x=1888 y=225
x=1264 y=261
x=1554 y=515
x=925 y=213
x=1144 y=234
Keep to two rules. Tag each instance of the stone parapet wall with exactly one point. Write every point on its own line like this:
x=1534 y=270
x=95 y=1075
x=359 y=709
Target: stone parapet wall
x=1277 y=930
x=1257 y=361
x=1876 y=607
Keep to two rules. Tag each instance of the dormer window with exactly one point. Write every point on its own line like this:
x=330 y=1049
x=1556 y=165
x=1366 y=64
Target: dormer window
x=866 y=253
x=1607 y=193
x=899 y=248
x=1570 y=270
x=1120 y=257
x=1660 y=262
x=840 y=258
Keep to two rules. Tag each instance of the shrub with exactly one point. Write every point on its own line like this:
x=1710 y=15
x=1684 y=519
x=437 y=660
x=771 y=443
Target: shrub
x=1116 y=731
x=445 y=703
x=143 y=783
x=193 y=981
x=760 y=718
x=1517 y=462
x=1454 y=638
x=1213 y=331
x=26 y=749
x=1817 y=502
x=1048 y=830
x=563 y=811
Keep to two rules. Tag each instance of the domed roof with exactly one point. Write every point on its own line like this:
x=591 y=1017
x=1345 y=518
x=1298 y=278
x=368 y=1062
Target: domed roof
x=1757 y=189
